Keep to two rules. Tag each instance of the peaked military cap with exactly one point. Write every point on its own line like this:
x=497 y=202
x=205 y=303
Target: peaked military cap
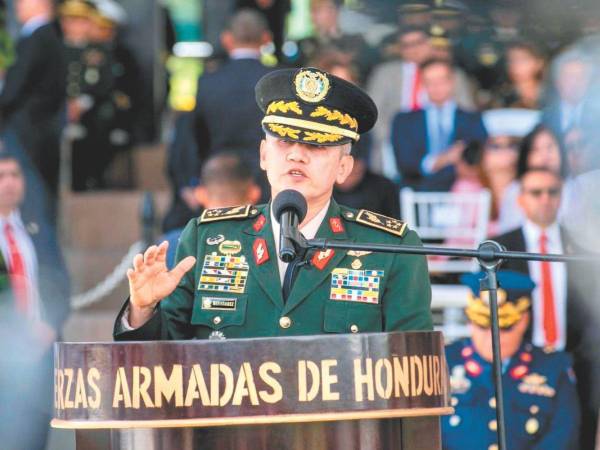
x=76 y=8
x=313 y=107
x=514 y=298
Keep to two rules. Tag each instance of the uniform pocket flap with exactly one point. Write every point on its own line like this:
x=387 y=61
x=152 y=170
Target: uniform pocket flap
x=351 y=317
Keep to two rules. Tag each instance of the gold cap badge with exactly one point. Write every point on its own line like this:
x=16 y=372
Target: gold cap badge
x=311 y=86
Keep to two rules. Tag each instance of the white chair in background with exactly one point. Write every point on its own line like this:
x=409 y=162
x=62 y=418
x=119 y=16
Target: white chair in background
x=454 y=220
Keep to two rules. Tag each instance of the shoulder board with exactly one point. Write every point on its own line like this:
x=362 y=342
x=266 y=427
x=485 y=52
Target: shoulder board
x=231 y=212
x=379 y=221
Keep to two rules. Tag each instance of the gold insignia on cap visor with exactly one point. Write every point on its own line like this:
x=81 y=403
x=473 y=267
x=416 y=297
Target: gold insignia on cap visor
x=310 y=125
x=311 y=86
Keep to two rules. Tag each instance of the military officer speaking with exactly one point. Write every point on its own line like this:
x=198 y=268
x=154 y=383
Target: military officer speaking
x=540 y=401
x=229 y=281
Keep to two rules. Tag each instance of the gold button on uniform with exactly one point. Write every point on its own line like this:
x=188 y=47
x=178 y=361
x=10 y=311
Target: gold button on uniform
x=534 y=409
x=493 y=447
x=454 y=401
x=217 y=320
x=285 y=322
x=454 y=421
x=492 y=402
x=493 y=425
x=354 y=328
x=532 y=425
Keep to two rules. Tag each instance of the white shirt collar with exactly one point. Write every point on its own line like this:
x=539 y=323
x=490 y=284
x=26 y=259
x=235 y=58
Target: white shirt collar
x=244 y=53
x=309 y=231
x=533 y=232
x=33 y=24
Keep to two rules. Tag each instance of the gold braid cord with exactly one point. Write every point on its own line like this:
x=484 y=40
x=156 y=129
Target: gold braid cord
x=335 y=115
x=321 y=137
x=284 y=107
x=284 y=131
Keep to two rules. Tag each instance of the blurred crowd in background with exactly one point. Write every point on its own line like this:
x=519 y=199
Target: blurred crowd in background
x=487 y=124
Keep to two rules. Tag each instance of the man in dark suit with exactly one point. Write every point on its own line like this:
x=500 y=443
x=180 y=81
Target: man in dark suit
x=226 y=115
x=34 y=304
x=572 y=73
x=33 y=98
x=428 y=142
x=558 y=321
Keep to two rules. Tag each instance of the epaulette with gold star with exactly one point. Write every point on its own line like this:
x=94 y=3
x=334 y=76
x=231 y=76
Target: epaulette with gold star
x=228 y=213
x=379 y=221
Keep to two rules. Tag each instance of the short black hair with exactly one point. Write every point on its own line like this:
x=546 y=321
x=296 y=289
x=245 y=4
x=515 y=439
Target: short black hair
x=435 y=61
x=527 y=145
x=546 y=170
x=226 y=167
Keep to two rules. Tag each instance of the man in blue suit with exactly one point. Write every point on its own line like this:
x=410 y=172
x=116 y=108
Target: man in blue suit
x=34 y=304
x=428 y=142
x=541 y=404
x=226 y=115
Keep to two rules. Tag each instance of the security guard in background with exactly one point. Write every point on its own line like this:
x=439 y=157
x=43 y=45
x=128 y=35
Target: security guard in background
x=229 y=281
x=541 y=406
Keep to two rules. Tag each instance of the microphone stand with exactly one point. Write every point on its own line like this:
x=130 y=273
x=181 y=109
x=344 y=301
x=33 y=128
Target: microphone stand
x=489 y=254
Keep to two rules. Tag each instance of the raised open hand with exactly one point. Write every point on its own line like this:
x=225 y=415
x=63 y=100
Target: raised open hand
x=150 y=280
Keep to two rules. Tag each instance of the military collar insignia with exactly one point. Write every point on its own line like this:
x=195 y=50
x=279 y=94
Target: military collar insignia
x=459 y=383
x=519 y=371
x=259 y=223
x=535 y=384
x=214 y=240
x=473 y=368
x=260 y=250
x=311 y=85
x=336 y=225
x=379 y=221
x=321 y=258
x=232 y=212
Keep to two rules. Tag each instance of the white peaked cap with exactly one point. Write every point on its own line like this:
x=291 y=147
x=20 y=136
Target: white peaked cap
x=510 y=121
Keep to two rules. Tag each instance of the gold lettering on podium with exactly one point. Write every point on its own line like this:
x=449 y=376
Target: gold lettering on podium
x=308 y=395
x=329 y=379
x=69 y=374
x=140 y=389
x=245 y=386
x=80 y=395
x=383 y=391
x=197 y=387
x=121 y=392
x=416 y=376
x=361 y=378
x=401 y=377
x=93 y=376
x=168 y=387
x=263 y=372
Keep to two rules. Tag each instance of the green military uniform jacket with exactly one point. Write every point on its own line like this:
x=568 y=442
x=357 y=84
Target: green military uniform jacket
x=234 y=289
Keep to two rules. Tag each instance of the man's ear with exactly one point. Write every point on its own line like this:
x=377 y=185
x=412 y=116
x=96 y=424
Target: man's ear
x=345 y=168
x=263 y=156
x=227 y=41
x=201 y=194
x=254 y=193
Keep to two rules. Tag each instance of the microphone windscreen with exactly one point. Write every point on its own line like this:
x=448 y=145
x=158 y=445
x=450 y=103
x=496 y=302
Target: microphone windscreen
x=290 y=199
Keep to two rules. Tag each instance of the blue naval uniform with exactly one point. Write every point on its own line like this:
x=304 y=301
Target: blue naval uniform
x=540 y=401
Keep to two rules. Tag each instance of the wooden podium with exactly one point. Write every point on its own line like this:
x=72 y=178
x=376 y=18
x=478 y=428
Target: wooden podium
x=352 y=392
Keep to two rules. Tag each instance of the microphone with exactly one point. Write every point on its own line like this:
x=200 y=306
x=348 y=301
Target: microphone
x=289 y=208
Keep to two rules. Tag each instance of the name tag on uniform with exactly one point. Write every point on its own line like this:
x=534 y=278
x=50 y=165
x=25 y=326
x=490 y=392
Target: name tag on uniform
x=218 y=303
x=355 y=285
